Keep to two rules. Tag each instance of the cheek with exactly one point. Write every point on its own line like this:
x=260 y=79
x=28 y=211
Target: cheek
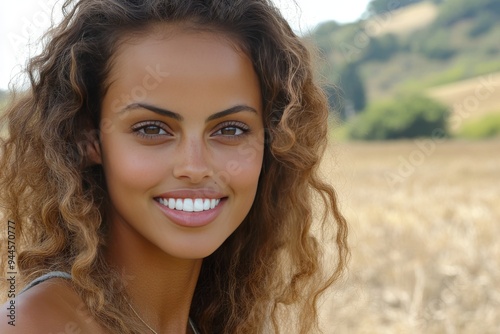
x=129 y=166
x=239 y=168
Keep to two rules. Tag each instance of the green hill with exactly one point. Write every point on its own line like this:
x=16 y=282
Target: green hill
x=414 y=48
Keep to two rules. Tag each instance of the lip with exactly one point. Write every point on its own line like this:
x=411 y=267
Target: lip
x=192 y=219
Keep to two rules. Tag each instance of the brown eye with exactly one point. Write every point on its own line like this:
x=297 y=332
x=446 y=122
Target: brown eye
x=152 y=130
x=231 y=131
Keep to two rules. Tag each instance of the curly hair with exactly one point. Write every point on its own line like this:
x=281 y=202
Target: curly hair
x=271 y=264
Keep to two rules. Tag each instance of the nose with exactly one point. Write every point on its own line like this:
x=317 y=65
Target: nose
x=192 y=161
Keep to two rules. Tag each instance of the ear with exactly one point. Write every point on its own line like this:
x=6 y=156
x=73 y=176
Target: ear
x=93 y=150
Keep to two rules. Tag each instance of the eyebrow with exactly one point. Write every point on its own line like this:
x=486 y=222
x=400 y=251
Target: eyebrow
x=178 y=117
x=232 y=110
x=157 y=110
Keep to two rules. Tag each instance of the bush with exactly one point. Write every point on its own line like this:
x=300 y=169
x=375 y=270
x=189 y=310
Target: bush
x=437 y=45
x=408 y=117
x=486 y=127
x=382 y=48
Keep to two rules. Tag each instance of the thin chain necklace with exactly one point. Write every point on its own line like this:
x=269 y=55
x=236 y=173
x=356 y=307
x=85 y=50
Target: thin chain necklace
x=191 y=323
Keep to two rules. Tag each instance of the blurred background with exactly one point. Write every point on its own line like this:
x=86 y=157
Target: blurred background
x=414 y=91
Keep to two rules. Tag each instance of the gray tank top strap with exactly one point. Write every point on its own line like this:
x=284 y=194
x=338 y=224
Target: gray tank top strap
x=62 y=274
x=43 y=278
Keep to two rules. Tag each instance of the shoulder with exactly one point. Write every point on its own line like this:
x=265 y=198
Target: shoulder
x=51 y=307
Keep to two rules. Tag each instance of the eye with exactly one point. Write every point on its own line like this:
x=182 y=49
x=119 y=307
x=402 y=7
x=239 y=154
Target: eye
x=231 y=129
x=150 y=129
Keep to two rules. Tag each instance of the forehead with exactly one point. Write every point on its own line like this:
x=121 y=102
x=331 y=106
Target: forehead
x=176 y=47
x=182 y=65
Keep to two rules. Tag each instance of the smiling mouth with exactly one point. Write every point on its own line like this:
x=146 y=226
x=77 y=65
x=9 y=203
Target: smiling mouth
x=189 y=204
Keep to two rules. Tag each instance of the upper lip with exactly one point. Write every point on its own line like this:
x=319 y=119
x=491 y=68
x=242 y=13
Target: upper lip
x=192 y=193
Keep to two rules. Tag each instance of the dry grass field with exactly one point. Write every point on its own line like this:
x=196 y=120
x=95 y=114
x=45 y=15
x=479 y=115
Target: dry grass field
x=405 y=20
x=424 y=235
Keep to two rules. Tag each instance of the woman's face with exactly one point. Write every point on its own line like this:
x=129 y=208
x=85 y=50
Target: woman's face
x=181 y=140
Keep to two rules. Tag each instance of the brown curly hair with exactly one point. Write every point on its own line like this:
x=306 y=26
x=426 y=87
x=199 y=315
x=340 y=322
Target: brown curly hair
x=265 y=268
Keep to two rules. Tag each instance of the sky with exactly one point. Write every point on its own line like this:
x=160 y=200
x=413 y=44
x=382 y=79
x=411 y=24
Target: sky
x=22 y=22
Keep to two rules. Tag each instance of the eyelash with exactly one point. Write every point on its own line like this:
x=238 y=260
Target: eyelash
x=232 y=124
x=143 y=125
x=157 y=124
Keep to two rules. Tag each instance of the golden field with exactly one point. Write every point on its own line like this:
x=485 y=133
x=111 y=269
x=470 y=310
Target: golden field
x=424 y=222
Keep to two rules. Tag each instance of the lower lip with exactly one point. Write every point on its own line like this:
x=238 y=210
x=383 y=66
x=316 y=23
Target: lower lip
x=192 y=219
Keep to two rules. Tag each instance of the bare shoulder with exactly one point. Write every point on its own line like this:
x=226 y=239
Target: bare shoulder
x=51 y=307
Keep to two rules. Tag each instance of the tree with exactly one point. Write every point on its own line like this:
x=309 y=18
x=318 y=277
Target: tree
x=437 y=45
x=382 y=48
x=406 y=117
x=352 y=88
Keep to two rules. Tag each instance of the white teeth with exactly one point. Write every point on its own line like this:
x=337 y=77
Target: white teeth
x=189 y=204
x=171 y=203
x=198 y=205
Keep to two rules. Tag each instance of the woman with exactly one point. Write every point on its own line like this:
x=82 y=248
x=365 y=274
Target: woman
x=161 y=172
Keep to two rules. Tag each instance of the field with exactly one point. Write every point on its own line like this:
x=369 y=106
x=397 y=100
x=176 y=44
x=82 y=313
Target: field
x=472 y=98
x=405 y=20
x=424 y=227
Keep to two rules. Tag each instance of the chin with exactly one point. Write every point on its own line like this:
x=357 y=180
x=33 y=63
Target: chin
x=192 y=251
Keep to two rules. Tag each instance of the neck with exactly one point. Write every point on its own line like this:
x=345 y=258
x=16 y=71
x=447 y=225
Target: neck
x=160 y=287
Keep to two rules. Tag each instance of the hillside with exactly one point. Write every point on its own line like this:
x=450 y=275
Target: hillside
x=470 y=99
x=417 y=48
x=405 y=20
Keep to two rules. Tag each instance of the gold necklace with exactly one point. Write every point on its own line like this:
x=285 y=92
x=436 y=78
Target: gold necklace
x=191 y=323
